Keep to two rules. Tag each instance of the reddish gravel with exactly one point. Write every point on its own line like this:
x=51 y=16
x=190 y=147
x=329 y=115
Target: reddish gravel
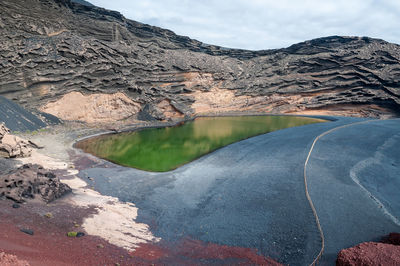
x=194 y=252
x=369 y=253
x=11 y=260
x=49 y=244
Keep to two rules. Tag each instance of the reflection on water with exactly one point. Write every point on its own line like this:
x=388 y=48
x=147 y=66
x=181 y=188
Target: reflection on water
x=163 y=149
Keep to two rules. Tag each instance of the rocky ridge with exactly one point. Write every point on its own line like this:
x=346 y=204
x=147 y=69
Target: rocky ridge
x=51 y=48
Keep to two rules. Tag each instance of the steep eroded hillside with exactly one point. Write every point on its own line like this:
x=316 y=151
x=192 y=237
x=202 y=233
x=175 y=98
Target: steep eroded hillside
x=60 y=51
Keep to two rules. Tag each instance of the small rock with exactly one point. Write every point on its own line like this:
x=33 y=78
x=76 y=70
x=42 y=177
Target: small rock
x=16 y=206
x=49 y=215
x=76 y=225
x=72 y=234
x=27 y=231
x=100 y=246
x=75 y=234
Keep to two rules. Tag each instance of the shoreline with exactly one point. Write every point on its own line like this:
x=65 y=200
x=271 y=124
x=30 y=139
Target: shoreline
x=109 y=219
x=60 y=155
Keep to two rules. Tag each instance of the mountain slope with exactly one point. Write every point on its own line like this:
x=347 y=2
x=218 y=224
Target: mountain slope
x=51 y=48
x=83 y=2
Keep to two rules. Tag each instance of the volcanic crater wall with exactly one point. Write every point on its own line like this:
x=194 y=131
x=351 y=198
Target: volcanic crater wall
x=51 y=48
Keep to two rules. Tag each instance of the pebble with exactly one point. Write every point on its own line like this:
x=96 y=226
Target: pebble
x=72 y=234
x=75 y=234
x=100 y=246
x=15 y=206
x=27 y=231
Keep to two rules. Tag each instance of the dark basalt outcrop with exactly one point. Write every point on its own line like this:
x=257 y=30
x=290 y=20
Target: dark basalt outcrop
x=32 y=182
x=53 y=47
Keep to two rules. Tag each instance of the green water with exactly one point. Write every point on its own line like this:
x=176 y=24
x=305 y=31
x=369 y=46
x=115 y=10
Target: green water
x=164 y=149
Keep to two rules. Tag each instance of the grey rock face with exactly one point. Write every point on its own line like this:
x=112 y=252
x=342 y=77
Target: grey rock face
x=52 y=47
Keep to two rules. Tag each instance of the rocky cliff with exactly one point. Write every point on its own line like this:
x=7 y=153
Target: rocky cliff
x=60 y=53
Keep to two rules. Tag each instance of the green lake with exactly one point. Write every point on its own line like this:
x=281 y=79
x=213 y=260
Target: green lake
x=164 y=149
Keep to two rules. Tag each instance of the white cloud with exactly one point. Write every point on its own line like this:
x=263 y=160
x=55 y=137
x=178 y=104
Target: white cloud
x=263 y=24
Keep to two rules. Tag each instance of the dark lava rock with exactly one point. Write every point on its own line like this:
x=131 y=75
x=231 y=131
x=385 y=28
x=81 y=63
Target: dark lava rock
x=16 y=206
x=80 y=234
x=369 y=253
x=392 y=238
x=27 y=231
x=58 y=46
x=30 y=181
x=150 y=113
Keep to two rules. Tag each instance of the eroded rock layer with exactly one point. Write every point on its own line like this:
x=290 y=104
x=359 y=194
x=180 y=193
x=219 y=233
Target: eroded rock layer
x=51 y=48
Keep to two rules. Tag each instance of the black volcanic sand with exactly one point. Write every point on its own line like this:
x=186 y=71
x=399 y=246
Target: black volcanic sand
x=251 y=194
x=16 y=118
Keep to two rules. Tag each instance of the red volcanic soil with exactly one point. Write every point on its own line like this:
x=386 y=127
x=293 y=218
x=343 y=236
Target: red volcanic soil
x=195 y=252
x=49 y=245
x=11 y=260
x=369 y=253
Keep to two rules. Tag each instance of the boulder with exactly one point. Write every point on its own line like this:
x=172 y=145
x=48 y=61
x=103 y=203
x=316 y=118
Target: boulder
x=392 y=238
x=32 y=182
x=3 y=130
x=369 y=253
x=12 y=146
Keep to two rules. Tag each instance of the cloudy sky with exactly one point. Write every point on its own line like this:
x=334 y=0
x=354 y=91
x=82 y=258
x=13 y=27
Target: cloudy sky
x=263 y=24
